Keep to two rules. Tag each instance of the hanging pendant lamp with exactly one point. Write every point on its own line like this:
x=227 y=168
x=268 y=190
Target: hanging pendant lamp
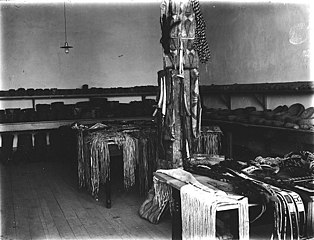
x=66 y=46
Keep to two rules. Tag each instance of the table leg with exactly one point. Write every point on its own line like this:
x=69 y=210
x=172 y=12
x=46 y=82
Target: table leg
x=229 y=145
x=176 y=215
x=108 y=192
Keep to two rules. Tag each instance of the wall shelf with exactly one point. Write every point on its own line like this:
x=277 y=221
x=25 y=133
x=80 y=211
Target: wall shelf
x=48 y=125
x=232 y=129
x=265 y=88
x=91 y=93
x=260 y=91
x=262 y=127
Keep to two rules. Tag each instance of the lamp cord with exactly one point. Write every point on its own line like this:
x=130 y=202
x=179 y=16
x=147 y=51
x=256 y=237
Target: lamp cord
x=65 y=24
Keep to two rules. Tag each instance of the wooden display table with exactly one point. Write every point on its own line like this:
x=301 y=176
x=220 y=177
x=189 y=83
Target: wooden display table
x=96 y=146
x=48 y=125
x=236 y=133
x=176 y=215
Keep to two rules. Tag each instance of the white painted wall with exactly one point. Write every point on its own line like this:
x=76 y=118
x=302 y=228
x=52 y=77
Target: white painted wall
x=250 y=43
x=117 y=45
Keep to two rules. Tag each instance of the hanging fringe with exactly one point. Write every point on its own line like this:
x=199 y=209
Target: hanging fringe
x=139 y=147
x=80 y=159
x=99 y=161
x=209 y=142
x=94 y=168
x=199 y=205
x=144 y=165
x=129 y=161
x=152 y=159
x=146 y=157
x=199 y=210
x=198 y=213
x=243 y=218
x=104 y=161
x=87 y=161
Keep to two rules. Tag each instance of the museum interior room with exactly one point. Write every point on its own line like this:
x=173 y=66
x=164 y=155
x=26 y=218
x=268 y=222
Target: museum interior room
x=157 y=119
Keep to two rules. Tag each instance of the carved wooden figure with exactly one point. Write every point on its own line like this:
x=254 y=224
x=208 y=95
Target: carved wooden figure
x=179 y=105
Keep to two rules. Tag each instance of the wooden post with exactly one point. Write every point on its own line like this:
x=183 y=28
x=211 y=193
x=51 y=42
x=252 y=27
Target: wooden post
x=180 y=67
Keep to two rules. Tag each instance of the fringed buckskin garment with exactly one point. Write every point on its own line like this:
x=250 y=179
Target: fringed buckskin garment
x=199 y=206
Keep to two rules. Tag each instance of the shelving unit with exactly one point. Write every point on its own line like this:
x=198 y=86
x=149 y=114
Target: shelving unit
x=91 y=93
x=260 y=91
x=47 y=125
x=225 y=92
x=231 y=129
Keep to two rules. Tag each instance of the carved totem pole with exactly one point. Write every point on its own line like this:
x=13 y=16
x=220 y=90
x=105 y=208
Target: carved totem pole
x=179 y=107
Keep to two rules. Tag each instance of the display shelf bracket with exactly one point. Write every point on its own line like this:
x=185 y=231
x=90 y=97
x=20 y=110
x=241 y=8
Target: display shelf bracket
x=226 y=99
x=262 y=100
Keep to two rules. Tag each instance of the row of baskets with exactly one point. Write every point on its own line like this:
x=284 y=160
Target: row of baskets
x=96 y=108
x=295 y=116
x=77 y=91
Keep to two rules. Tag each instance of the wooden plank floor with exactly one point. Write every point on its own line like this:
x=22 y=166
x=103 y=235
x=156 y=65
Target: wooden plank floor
x=40 y=200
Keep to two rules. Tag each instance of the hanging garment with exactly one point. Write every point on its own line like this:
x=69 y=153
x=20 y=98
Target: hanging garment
x=80 y=159
x=209 y=141
x=169 y=124
x=167 y=24
x=129 y=161
x=200 y=42
x=196 y=108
